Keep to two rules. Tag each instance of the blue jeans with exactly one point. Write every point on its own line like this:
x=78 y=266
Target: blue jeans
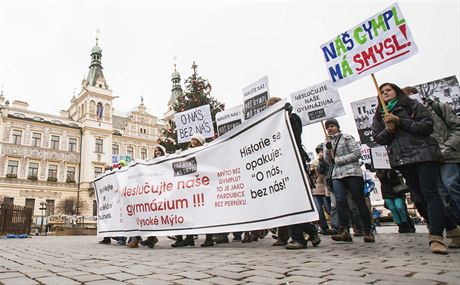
x=355 y=186
x=398 y=209
x=320 y=202
x=424 y=177
x=449 y=187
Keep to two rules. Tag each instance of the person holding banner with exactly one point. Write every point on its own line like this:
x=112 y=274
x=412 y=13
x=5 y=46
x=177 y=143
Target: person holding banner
x=296 y=231
x=342 y=153
x=406 y=131
x=197 y=140
x=158 y=151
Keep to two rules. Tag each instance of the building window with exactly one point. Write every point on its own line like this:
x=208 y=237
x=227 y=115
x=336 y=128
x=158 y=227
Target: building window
x=36 y=139
x=143 y=153
x=8 y=200
x=12 y=170
x=52 y=172
x=70 y=174
x=115 y=149
x=130 y=151
x=30 y=203
x=99 y=145
x=72 y=144
x=97 y=171
x=54 y=142
x=33 y=171
x=94 y=208
x=17 y=136
x=49 y=208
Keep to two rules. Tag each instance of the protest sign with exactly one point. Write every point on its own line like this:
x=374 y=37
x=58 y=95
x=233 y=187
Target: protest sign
x=228 y=119
x=117 y=157
x=363 y=112
x=365 y=154
x=317 y=103
x=445 y=90
x=380 y=41
x=250 y=178
x=196 y=120
x=379 y=157
x=255 y=97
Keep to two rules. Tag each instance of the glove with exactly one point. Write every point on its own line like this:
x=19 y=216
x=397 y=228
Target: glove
x=329 y=145
x=391 y=118
x=390 y=127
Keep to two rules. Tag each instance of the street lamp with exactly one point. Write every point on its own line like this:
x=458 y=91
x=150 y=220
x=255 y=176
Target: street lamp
x=42 y=208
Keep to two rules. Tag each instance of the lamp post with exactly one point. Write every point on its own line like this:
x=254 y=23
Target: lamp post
x=42 y=208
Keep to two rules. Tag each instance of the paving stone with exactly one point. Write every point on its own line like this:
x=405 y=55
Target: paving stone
x=104 y=282
x=10 y=274
x=191 y=282
x=265 y=280
x=305 y=279
x=145 y=281
x=193 y=275
x=18 y=281
x=87 y=278
x=223 y=281
x=56 y=280
x=38 y=274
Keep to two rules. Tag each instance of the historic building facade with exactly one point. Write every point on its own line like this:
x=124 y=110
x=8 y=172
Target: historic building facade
x=48 y=158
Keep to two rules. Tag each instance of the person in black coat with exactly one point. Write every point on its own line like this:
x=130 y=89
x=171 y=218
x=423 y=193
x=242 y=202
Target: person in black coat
x=406 y=130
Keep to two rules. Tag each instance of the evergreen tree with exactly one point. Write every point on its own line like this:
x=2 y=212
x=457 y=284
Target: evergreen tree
x=197 y=93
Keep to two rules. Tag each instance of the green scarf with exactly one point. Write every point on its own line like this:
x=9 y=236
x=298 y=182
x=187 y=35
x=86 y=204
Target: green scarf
x=390 y=105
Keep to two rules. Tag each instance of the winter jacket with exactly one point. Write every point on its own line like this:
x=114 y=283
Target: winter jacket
x=320 y=187
x=446 y=130
x=411 y=142
x=346 y=157
x=389 y=178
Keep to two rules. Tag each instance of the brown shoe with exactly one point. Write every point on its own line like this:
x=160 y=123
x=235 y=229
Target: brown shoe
x=368 y=236
x=437 y=245
x=133 y=243
x=343 y=235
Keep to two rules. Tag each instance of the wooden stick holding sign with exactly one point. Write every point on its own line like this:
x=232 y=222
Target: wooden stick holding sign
x=382 y=102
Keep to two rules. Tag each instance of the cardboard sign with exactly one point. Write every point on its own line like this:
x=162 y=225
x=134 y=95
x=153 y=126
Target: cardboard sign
x=197 y=120
x=380 y=158
x=228 y=119
x=255 y=97
x=317 y=103
x=376 y=43
x=363 y=112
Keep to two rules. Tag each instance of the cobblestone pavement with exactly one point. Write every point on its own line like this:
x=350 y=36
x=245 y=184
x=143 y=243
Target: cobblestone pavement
x=393 y=259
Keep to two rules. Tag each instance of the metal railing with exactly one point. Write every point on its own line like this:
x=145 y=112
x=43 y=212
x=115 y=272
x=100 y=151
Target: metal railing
x=15 y=219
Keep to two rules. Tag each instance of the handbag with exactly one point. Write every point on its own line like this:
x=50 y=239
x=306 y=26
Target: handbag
x=331 y=169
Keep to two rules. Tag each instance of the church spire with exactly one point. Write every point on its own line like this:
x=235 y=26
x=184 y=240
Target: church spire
x=95 y=74
x=176 y=90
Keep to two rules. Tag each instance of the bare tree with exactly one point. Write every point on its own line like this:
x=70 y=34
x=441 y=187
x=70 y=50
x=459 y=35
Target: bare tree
x=71 y=206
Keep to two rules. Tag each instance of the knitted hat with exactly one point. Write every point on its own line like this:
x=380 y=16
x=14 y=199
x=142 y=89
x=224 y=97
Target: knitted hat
x=199 y=137
x=331 y=122
x=319 y=148
x=162 y=148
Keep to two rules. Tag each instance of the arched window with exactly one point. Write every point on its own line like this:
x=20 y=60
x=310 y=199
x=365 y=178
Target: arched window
x=100 y=111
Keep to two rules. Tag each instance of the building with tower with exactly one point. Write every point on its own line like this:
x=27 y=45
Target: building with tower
x=48 y=158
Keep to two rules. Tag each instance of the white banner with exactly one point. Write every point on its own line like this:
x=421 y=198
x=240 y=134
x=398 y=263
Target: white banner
x=250 y=178
x=197 y=120
x=380 y=158
x=317 y=103
x=376 y=43
x=228 y=119
x=255 y=97
x=363 y=112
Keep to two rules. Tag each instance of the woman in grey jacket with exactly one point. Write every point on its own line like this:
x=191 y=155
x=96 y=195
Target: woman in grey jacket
x=342 y=153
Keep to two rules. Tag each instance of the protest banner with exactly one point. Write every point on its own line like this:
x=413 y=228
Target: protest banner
x=255 y=97
x=196 y=120
x=376 y=43
x=228 y=119
x=445 y=90
x=379 y=157
x=363 y=112
x=417 y=97
x=317 y=103
x=250 y=178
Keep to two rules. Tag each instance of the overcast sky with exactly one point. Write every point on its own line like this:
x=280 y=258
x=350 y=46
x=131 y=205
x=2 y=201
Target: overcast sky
x=45 y=48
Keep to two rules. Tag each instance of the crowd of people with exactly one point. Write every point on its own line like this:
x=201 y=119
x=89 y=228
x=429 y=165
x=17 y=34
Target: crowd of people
x=423 y=145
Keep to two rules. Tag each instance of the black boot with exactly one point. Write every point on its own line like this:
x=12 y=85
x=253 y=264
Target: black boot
x=188 y=241
x=208 y=241
x=106 y=240
x=342 y=235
